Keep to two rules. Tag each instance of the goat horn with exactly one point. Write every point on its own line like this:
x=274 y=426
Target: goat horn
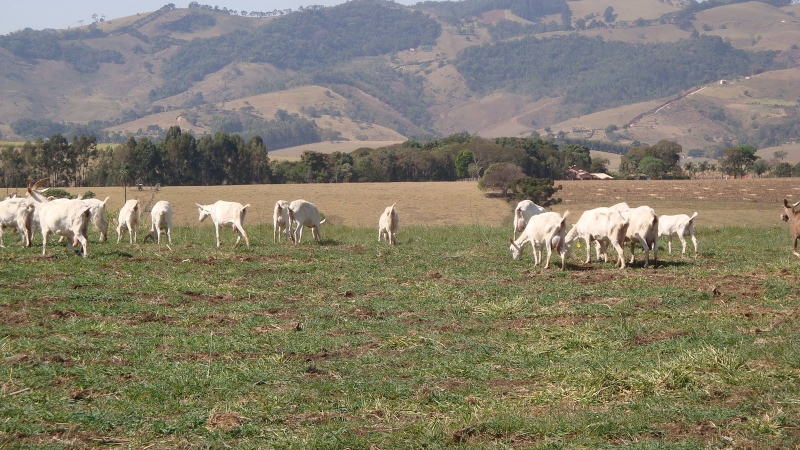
x=793 y=206
x=39 y=183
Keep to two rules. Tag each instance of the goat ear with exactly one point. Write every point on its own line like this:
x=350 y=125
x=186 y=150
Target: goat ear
x=798 y=203
x=198 y=205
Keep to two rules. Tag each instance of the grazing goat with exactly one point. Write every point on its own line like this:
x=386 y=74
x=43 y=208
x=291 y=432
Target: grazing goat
x=129 y=218
x=388 y=225
x=304 y=214
x=642 y=228
x=793 y=217
x=225 y=214
x=98 y=211
x=680 y=224
x=523 y=213
x=280 y=220
x=603 y=225
x=543 y=230
x=68 y=218
x=160 y=219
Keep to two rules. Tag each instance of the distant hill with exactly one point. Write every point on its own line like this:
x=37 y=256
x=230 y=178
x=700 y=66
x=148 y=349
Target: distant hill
x=376 y=71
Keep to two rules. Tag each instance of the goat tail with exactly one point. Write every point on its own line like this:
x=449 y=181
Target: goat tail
x=245 y=206
x=106 y=200
x=322 y=221
x=693 y=216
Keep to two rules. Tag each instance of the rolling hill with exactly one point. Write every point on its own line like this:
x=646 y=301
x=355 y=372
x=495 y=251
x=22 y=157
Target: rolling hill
x=142 y=74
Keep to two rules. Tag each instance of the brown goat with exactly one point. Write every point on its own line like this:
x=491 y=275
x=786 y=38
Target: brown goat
x=793 y=217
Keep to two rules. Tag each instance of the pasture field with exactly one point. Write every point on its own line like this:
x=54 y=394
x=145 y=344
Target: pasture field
x=441 y=341
x=719 y=202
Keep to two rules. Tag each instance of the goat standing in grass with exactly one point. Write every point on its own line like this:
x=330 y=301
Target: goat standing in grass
x=523 y=213
x=304 y=214
x=280 y=220
x=160 y=219
x=681 y=225
x=548 y=230
x=67 y=218
x=388 y=225
x=129 y=219
x=225 y=214
x=793 y=217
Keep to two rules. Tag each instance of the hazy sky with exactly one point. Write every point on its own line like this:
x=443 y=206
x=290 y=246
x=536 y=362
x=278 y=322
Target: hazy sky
x=40 y=14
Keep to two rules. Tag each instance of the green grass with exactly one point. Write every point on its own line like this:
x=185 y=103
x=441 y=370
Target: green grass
x=441 y=341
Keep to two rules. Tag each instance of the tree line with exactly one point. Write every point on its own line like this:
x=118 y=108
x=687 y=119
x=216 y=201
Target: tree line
x=226 y=158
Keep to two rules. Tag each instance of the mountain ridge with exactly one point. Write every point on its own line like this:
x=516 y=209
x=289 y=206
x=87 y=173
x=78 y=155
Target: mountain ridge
x=403 y=93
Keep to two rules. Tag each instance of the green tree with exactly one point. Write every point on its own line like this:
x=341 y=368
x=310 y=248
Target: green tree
x=537 y=190
x=653 y=167
x=499 y=176
x=760 y=167
x=463 y=160
x=576 y=155
x=599 y=165
x=255 y=162
x=737 y=161
x=608 y=15
x=783 y=170
x=85 y=151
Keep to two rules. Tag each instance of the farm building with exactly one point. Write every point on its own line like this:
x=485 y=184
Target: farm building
x=576 y=173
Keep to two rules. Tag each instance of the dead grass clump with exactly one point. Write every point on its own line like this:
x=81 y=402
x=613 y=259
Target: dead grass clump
x=225 y=421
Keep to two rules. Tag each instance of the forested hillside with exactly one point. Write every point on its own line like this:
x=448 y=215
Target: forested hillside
x=594 y=74
x=498 y=68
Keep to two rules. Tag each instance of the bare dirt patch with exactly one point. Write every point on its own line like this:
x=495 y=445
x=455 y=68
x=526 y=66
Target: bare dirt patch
x=223 y=421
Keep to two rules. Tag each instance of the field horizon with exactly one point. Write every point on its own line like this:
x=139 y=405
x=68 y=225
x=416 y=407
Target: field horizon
x=749 y=202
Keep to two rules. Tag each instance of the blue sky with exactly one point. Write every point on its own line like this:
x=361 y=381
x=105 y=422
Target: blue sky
x=40 y=14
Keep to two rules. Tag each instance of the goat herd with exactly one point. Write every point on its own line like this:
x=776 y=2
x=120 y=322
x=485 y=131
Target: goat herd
x=614 y=225
x=70 y=218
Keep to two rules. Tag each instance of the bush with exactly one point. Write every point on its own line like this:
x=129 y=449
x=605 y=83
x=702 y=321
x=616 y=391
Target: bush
x=537 y=190
x=499 y=176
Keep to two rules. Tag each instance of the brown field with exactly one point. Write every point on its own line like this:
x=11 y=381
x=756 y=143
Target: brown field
x=293 y=153
x=719 y=202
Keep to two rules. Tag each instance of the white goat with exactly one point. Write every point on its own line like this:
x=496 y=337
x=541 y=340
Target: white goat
x=8 y=215
x=304 y=214
x=27 y=214
x=547 y=229
x=280 y=220
x=27 y=222
x=225 y=214
x=160 y=219
x=98 y=211
x=129 y=218
x=642 y=228
x=523 y=213
x=681 y=225
x=793 y=217
x=603 y=225
x=68 y=218
x=388 y=225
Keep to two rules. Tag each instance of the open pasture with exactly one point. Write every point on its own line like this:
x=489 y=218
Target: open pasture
x=440 y=341
x=719 y=202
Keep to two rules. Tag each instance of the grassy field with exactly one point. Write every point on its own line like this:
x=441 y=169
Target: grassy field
x=441 y=341
x=719 y=202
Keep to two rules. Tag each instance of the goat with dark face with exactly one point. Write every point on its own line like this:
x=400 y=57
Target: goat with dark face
x=793 y=217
